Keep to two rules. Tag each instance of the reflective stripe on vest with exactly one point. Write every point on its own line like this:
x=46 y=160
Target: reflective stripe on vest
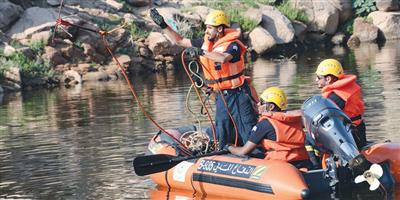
x=347 y=89
x=228 y=75
x=289 y=144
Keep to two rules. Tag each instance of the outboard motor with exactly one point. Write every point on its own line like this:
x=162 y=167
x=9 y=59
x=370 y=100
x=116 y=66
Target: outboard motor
x=329 y=126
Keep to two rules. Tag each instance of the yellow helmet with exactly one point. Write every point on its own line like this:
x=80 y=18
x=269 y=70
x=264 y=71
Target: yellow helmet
x=276 y=96
x=330 y=66
x=216 y=18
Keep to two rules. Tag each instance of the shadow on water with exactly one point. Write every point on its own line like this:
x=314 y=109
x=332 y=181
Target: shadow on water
x=78 y=143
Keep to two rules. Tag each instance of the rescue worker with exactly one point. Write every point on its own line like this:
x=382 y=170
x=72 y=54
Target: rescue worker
x=346 y=93
x=222 y=57
x=279 y=132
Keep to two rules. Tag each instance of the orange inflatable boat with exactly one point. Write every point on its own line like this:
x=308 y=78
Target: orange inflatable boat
x=232 y=177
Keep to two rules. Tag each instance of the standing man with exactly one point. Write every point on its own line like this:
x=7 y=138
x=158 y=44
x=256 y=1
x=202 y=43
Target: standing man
x=222 y=57
x=346 y=93
x=279 y=132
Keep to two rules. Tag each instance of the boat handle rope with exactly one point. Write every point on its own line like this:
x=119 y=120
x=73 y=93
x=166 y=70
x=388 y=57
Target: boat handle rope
x=185 y=67
x=60 y=23
x=202 y=102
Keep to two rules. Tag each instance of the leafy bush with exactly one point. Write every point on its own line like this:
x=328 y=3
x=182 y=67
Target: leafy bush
x=29 y=68
x=292 y=13
x=137 y=31
x=364 y=7
x=247 y=24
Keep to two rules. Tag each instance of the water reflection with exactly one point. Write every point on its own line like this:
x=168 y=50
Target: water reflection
x=78 y=143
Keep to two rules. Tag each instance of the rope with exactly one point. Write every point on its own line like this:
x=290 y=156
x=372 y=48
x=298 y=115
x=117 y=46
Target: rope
x=60 y=22
x=225 y=104
x=201 y=101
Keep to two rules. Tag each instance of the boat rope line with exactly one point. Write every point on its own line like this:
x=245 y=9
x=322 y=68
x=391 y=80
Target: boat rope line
x=60 y=23
x=201 y=99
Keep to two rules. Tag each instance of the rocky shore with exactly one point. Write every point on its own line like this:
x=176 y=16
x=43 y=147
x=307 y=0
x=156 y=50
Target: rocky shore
x=33 y=54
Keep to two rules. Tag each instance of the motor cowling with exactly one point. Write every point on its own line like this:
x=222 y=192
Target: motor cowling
x=329 y=126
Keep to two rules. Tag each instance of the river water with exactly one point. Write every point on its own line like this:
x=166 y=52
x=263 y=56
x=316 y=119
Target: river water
x=78 y=143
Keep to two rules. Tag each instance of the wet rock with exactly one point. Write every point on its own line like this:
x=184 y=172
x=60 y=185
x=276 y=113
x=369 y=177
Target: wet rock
x=278 y=25
x=388 y=23
x=387 y=5
x=71 y=77
x=96 y=76
x=353 y=42
x=338 y=38
x=9 y=14
x=365 y=30
x=261 y=40
x=300 y=30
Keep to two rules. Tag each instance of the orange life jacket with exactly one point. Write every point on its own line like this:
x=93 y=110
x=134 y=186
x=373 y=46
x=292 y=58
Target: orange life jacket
x=289 y=144
x=347 y=89
x=228 y=75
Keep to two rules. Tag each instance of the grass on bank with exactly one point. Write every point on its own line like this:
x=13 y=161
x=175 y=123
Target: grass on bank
x=292 y=13
x=29 y=68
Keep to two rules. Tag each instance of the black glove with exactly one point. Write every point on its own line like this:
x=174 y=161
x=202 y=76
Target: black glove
x=194 y=52
x=157 y=18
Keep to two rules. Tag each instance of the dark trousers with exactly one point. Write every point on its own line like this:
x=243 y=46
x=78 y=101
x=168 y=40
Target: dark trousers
x=241 y=108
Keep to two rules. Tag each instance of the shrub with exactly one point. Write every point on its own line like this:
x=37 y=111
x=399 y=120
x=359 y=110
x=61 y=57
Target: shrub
x=137 y=31
x=29 y=68
x=247 y=24
x=292 y=13
x=363 y=7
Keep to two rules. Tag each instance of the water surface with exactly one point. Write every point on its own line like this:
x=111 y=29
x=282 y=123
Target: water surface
x=78 y=143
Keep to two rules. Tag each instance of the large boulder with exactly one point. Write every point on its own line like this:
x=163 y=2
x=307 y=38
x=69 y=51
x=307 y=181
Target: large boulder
x=323 y=15
x=345 y=8
x=387 y=22
x=278 y=25
x=365 y=30
x=254 y=14
x=9 y=13
x=261 y=40
x=300 y=30
x=160 y=45
x=33 y=20
x=387 y=5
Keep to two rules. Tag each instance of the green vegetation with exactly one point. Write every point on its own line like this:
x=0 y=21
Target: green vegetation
x=29 y=67
x=137 y=30
x=347 y=27
x=292 y=13
x=246 y=23
x=363 y=7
